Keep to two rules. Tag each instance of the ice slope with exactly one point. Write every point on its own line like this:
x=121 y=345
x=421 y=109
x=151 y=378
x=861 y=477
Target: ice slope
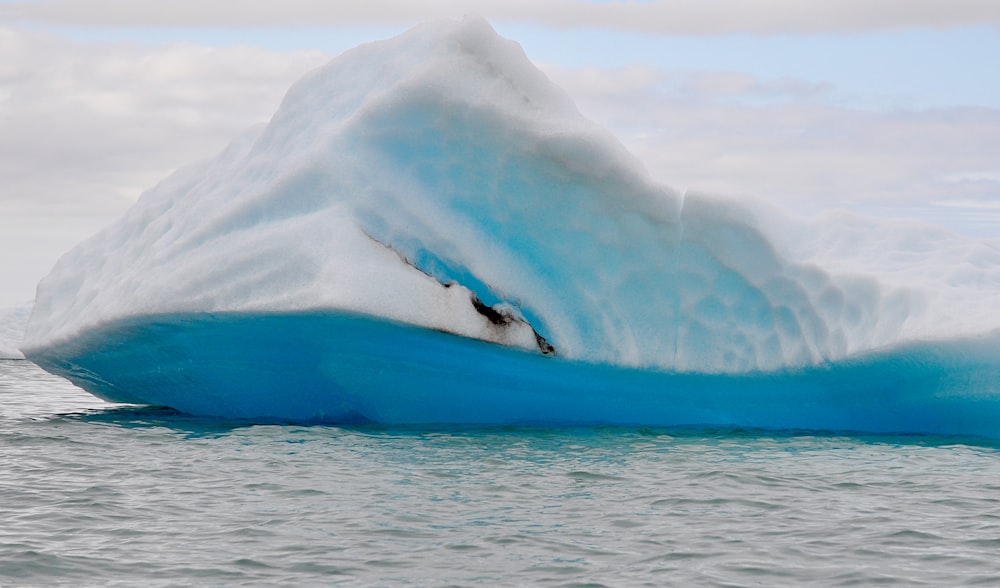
x=439 y=180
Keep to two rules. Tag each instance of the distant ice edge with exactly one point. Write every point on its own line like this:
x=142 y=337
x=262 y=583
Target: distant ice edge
x=338 y=367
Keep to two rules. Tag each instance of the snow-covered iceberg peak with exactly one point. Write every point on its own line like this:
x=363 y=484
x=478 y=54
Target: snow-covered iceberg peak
x=439 y=179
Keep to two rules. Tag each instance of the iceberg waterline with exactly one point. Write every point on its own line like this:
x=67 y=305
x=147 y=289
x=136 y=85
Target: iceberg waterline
x=439 y=180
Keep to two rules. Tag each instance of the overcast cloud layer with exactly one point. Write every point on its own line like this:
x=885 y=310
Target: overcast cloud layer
x=779 y=140
x=695 y=17
x=85 y=127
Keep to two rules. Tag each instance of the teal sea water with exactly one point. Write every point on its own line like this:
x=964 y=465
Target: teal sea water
x=100 y=494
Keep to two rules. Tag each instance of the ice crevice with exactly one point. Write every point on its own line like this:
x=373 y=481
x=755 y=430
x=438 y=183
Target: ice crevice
x=502 y=316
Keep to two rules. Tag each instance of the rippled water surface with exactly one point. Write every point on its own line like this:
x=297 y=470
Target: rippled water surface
x=97 y=494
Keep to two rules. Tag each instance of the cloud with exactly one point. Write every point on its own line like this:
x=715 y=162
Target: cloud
x=70 y=109
x=684 y=17
x=85 y=127
x=787 y=141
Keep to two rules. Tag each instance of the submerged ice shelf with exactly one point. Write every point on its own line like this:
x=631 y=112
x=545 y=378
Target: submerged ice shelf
x=347 y=368
x=428 y=231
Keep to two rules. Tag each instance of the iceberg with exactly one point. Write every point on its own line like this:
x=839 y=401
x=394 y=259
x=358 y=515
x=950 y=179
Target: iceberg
x=428 y=231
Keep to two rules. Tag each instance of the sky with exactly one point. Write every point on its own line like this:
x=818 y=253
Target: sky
x=884 y=107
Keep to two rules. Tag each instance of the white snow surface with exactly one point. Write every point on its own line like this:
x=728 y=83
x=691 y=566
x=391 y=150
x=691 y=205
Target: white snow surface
x=13 y=321
x=408 y=175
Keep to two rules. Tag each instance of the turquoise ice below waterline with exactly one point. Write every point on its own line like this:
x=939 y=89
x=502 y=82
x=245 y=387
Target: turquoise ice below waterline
x=347 y=368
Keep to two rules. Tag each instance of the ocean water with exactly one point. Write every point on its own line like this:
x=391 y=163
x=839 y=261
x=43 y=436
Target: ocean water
x=99 y=494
